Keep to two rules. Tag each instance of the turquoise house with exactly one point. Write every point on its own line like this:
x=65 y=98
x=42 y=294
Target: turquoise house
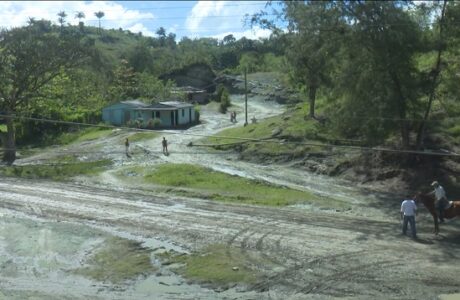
x=169 y=114
x=121 y=113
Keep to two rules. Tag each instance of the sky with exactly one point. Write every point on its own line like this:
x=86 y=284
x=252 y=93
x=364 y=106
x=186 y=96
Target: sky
x=193 y=19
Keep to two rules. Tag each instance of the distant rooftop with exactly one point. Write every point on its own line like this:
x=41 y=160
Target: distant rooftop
x=166 y=105
x=188 y=89
x=137 y=103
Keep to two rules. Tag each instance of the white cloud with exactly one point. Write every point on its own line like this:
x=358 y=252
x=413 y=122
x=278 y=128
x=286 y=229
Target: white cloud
x=253 y=34
x=16 y=13
x=138 y=27
x=224 y=17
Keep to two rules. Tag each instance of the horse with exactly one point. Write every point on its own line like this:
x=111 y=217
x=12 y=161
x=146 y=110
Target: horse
x=428 y=200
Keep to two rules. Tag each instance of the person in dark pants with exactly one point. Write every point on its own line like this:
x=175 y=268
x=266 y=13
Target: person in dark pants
x=164 y=143
x=441 y=199
x=127 y=147
x=408 y=213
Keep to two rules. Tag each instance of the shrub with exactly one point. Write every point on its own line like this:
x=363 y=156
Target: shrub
x=153 y=123
x=224 y=102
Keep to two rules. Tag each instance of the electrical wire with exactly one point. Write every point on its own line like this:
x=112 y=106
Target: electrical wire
x=245 y=139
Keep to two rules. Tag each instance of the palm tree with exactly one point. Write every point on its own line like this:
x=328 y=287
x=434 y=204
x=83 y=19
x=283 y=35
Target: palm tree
x=80 y=15
x=99 y=15
x=31 y=21
x=62 y=15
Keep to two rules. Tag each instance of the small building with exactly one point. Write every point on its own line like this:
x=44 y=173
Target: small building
x=170 y=114
x=192 y=94
x=121 y=113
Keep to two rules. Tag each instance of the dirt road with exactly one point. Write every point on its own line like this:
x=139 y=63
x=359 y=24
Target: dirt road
x=317 y=255
x=312 y=254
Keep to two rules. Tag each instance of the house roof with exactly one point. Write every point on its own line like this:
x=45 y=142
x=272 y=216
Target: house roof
x=135 y=103
x=166 y=105
x=127 y=103
x=188 y=89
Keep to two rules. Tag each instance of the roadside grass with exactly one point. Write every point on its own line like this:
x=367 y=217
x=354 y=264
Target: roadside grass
x=288 y=127
x=117 y=261
x=201 y=182
x=140 y=136
x=62 y=169
x=84 y=135
x=219 y=264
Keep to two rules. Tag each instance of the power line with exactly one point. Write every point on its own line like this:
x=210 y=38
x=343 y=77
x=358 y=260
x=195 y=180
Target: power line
x=244 y=139
x=126 y=10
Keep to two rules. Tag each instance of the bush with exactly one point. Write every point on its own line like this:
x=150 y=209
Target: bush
x=224 y=102
x=197 y=114
x=153 y=123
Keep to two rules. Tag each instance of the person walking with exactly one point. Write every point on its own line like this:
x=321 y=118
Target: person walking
x=164 y=143
x=441 y=199
x=408 y=213
x=127 y=147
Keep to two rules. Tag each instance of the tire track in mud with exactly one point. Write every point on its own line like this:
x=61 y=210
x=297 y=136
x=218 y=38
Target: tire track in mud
x=307 y=281
x=258 y=248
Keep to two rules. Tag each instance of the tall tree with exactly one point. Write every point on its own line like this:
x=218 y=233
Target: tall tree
x=378 y=76
x=30 y=57
x=125 y=84
x=80 y=15
x=435 y=74
x=161 y=32
x=62 y=15
x=315 y=34
x=315 y=29
x=99 y=15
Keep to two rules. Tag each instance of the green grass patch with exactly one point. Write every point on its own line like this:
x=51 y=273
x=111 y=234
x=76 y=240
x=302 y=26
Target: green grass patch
x=140 y=136
x=61 y=169
x=206 y=183
x=218 y=264
x=117 y=261
x=288 y=127
x=87 y=134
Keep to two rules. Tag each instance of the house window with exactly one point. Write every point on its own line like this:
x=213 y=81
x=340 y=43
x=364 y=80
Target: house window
x=183 y=113
x=155 y=114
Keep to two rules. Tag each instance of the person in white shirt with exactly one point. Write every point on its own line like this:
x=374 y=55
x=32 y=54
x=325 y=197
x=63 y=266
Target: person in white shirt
x=408 y=212
x=441 y=199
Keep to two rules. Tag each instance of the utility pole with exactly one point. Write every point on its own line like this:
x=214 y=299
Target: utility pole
x=245 y=97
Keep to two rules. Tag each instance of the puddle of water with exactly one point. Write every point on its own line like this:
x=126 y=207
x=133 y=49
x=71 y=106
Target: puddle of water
x=38 y=260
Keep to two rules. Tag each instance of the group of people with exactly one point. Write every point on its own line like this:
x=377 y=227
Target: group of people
x=409 y=208
x=164 y=144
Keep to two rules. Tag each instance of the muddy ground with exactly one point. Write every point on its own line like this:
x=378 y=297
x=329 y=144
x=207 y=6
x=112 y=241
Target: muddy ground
x=48 y=228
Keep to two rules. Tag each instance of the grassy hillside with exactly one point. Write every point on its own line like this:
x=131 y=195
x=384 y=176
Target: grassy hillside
x=315 y=146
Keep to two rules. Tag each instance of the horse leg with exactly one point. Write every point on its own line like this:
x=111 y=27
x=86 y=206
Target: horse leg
x=436 y=224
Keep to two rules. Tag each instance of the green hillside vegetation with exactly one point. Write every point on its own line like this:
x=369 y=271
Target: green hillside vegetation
x=362 y=80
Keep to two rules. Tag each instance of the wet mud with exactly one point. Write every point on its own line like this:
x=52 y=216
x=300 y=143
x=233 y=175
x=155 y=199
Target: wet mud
x=49 y=229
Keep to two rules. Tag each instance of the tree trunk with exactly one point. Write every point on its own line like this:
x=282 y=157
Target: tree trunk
x=404 y=128
x=312 y=99
x=437 y=70
x=9 y=154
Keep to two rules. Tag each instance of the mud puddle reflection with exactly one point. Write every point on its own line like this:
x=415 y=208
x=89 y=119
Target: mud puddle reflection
x=61 y=260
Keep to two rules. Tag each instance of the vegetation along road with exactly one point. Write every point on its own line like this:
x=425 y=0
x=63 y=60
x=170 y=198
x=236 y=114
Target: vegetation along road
x=351 y=108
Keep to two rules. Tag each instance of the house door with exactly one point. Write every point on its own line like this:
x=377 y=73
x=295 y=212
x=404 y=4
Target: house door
x=190 y=115
x=127 y=116
x=177 y=117
x=172 y=118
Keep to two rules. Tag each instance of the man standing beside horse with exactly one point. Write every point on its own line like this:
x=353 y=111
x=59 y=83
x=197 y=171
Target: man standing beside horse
x=441 y=199
x=408 y=212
